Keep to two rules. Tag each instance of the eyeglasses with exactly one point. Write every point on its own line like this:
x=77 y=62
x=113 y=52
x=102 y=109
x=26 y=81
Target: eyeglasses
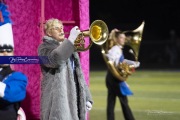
x=57 y=28
x=6 y=50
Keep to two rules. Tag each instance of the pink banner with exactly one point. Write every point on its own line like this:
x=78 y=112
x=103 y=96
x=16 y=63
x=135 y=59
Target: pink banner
x=27 y=15
x=84 y=25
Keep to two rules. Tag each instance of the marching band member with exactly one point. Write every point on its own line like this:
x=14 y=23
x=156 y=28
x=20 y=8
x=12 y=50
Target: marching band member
x=65 y=95
x=115 y=86
x=12 y=83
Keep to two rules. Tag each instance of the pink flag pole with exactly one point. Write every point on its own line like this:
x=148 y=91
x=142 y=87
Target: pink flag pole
x=42 y=18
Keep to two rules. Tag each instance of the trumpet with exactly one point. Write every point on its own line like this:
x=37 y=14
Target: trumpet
x=98 y=32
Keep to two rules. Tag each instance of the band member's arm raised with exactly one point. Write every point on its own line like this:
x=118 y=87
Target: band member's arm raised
x=58 y=55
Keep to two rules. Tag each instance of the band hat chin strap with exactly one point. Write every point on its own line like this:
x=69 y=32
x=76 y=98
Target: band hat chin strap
x=6 y=35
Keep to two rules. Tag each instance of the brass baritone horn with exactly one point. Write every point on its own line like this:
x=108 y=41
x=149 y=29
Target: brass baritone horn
x=133 y=39
x=98 y=32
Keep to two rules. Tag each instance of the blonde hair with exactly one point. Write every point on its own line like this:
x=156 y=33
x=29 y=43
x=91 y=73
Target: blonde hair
x=50 y=24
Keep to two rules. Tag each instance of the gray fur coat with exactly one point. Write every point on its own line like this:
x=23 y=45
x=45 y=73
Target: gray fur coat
x=58 y=98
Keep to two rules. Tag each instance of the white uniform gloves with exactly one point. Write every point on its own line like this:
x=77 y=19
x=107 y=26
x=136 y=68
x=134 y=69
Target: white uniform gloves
x=136 y=64
x=130 y=62
x=74 y=34
x=88 y=106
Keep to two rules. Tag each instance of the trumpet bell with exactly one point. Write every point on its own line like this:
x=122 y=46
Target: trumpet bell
x=99 y=32
x=95 y=33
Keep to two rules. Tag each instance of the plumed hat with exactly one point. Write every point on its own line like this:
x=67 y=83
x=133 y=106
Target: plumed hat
x=6 y=34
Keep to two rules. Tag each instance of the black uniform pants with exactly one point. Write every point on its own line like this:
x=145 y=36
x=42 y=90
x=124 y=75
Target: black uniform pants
x=8 y=113
x=112 y=84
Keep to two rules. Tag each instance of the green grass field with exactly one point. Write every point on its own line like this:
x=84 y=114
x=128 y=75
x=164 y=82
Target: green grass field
x=156 y=95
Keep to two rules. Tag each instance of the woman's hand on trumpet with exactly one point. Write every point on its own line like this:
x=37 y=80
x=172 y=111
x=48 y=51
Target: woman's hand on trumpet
x=74 y=34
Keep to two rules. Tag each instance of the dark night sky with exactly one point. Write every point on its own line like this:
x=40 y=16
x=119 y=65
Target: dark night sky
x=160 y=17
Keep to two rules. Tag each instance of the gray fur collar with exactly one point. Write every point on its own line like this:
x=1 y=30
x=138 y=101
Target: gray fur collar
x=48 y=38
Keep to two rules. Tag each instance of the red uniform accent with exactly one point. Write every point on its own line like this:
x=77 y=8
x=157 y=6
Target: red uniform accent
x=1 y=17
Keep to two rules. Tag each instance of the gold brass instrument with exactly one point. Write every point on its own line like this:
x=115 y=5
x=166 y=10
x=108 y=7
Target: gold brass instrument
x=98 y=32
x=133 y=39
